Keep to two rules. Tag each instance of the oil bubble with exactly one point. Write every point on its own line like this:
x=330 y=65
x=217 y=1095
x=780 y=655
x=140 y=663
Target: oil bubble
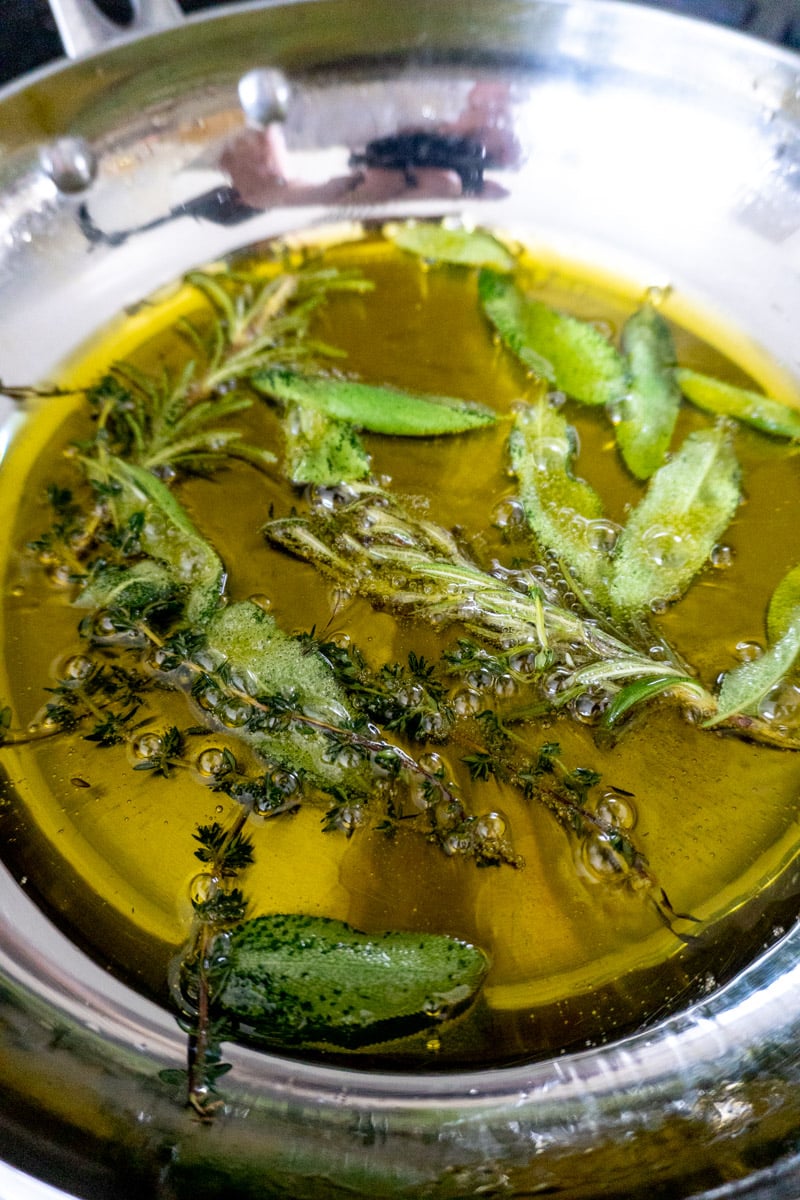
x=147 y=746
x=491 y=825
x=601 y=535
x=261 y=601
x=781 y=705
x=549 y=453
x=617 y=809
x=599 y=858
x=749 y=651
x=233 y=713
x=433 y=763
x=78 y=666
x=666 y=548
x=589 y=707
x=466 y=702
x=722 y=557
x=210 y=761
x=202 y=887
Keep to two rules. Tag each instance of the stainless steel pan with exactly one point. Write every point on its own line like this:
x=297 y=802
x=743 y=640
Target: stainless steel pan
x=661 y=149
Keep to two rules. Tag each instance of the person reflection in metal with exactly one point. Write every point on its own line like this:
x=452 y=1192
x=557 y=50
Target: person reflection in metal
x=436 y=160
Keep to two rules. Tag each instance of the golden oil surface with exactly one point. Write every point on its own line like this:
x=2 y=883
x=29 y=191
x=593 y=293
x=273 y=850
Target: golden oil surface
x=109 y=851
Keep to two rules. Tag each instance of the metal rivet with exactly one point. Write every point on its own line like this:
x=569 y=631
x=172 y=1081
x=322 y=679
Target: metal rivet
x=264 y=96
x=70 y=162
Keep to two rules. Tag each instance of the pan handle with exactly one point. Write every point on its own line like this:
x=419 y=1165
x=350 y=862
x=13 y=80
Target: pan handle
x=84 y=28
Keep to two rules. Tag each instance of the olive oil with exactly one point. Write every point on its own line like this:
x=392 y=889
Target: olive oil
x=577 y=953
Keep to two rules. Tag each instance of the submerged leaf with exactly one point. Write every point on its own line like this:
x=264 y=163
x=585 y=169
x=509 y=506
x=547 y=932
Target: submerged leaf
x=570 y=354
x=378 y=409
x=648 y=411
x=744 y=687
x=166 y=534
x=284 y=677
x=561 y=510
x=298 y=979
x=462 y=247
x=646 y=689
x=784 y=606
x=714 y=396
x=321 y=449
x=673 y=530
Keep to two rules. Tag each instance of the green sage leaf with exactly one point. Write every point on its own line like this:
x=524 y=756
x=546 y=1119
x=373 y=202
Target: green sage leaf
x=649 y=409
x=271 y=665
x=752 y=408
x=167 y=533
x=670 y=534
x=743 y=688
x=784 y=606
x=570 y=354
x=136 y=587
x=321 y=449
x=296 y=979
x=377 y=409
x=461 y=247
x=565 y=514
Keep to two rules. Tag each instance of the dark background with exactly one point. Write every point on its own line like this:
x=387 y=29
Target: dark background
x=28 y=35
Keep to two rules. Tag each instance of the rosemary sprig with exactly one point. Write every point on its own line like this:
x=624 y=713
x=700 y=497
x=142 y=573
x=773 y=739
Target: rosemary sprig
x=413 y=566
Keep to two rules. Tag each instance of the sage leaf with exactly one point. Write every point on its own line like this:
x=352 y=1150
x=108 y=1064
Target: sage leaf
x=562 y=511
x=267 y=663
x=144 y=584
x=303 y=980
x=461 y=247
x=321 y=449
x=649 y=409
x=784 y=606
x=671 y=533
x=570 y=354
x=743 y=688
x=752 y=408
x=167 y=534
x=377 y=409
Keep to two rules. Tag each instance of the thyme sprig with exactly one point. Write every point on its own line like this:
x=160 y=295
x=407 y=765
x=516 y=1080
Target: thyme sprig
x=374 y=546
x=409 y=564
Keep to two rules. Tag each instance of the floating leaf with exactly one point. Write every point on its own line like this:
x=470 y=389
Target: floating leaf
x=784 y=606
x=561 y=510
x=145 y=583
x=321 y=449
x=744 y=687
x=649 y=409
x=297 y=979
x=714 y=396
x=670 y=534
x=293 y=681
x=166 y=534
x=570 y=354
x=378 y=409
x=462 y=247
